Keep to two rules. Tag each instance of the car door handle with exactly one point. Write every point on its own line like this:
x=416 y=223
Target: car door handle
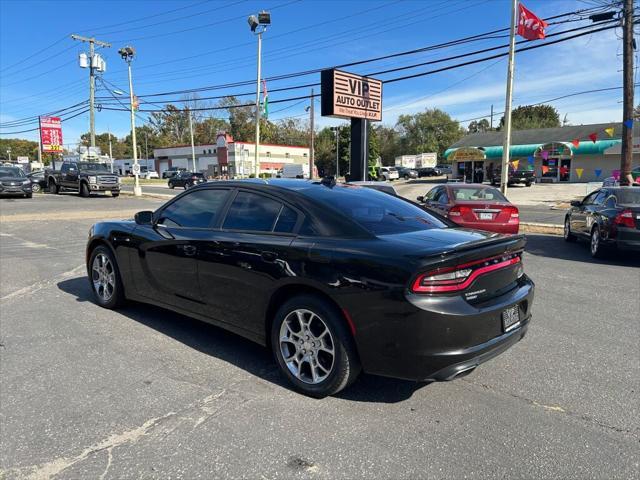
x=269 y=256
x=189 y=250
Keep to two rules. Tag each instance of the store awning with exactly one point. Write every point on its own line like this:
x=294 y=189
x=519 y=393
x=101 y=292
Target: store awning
x=585 y=148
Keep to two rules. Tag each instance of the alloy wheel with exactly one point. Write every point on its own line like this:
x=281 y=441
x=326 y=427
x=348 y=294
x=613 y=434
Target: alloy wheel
x=307 y=346
x=35 y=188
x=567 y=232
x=103 y=277
x=595 y=242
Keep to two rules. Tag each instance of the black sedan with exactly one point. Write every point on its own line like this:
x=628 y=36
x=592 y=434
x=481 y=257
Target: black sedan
x=608 y=217
x=38 y=181
x=428 y=172
x=407 y=173
x=14 y=182
x=186 y=180
x=334 y=278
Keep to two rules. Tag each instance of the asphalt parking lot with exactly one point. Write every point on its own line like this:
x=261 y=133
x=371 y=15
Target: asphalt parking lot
x=145 y=393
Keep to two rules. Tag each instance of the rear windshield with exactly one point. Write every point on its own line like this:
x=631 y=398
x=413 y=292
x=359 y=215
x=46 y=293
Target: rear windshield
x=628 y=196
x=378 y=212
x=470 y=194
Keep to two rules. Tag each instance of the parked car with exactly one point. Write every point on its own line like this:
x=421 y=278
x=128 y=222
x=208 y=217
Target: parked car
x=295 y=170
x=615 y=182
x=388 y=174
x=14 y=182
x=84 y=178
x=428 y=172
x=147 y=173
x=186 y=180
x=474 y=206
x=385 y=187
x=444 y=169
x=172 y=172
x=38 y=181
x=526 y=177
x=608 y=217
x=312 y=270
x=407 y=173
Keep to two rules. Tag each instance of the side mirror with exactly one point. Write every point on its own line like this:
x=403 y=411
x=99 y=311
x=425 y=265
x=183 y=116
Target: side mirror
x=420 y=199
x=144 y=218
x=576 y=203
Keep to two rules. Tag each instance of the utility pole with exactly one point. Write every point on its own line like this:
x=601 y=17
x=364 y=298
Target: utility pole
x=193 y=147
x=507 y=109
x=110 y=153
x=491 y=124
x=257 y=146
x=313 y=134
x=92 y=82
x=337 y=131
x=146 y=145
x=626 y=153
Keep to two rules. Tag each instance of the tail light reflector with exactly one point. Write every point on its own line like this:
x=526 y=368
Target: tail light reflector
x=625 y=218
x=514 y=215
x=458 y=278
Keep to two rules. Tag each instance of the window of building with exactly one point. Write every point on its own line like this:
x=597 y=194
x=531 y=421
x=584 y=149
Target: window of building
x=286 y=154
x=304 y=154
x=204 y=151
x=195 y=210
x=268 y=154
x=214 y=150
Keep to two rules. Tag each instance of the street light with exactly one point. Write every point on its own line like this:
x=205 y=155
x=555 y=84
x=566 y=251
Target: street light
x=9 y=153
x=258 y=25
x=127 y=53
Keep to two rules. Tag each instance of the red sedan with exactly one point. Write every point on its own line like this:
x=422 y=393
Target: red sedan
x=474 y=206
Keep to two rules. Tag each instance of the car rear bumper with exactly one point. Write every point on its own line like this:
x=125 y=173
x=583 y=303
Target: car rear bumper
x=439 y=338
x=628 y=239
x=488 y=226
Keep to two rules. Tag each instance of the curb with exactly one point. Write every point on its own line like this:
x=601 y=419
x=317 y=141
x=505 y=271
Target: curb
x=160 y=196
x=549 y=228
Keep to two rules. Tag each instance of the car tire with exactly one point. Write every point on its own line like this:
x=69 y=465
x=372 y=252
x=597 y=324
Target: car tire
x=106 y=287
x=567 y=235
x=35 y=188
x=186 y=186
x=406 y=177
x=528 y=184
x=595 y=245
x=84 y=190
x=115 y=195
x=327 y=358
x=171 y=185
x=54 y=188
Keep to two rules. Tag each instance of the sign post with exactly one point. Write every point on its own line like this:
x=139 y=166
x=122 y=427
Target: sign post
x=358 y=98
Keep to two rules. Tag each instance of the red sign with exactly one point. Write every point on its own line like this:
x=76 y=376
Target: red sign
x=50 y=134
x=529 y=25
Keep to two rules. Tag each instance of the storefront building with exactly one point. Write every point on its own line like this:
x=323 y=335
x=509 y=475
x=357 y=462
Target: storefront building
x=581 y=153
x=228 y=158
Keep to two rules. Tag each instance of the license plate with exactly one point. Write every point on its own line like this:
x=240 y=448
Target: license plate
x=510 y=318
x=486 y=216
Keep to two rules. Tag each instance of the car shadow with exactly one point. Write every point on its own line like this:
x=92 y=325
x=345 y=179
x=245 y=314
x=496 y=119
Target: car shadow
x=554 y=246
x=236 y=350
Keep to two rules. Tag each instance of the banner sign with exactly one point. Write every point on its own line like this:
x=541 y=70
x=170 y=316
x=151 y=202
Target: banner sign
x=50 y=134
x=345 y=95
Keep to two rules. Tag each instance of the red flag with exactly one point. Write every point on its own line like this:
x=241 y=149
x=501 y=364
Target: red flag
x=593 y=137
x=529 y=25
x=576 y=142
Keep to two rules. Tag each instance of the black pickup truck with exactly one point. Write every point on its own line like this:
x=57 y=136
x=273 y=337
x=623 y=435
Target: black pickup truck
x=84 y=178
x=526 y=177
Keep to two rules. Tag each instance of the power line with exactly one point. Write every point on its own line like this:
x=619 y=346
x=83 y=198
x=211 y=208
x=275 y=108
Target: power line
x=38 y=128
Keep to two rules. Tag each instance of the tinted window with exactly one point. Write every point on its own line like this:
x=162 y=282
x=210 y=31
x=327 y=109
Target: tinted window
x=195 y=210
x=378 y=212
x=480 y=194
x=252 y=212
x=432 y=193
x=286 y=220
x=630 y=196
x=600 y=197
x=443 y=198
x=589 y=198
x=11 y=172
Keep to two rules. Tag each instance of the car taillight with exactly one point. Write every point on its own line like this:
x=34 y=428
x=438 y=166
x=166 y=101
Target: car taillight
x=458 y=278
x=625 y=218
x=458 y=211
x=514 y=215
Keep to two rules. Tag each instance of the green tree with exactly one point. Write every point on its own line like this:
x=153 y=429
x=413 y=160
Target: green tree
x=241 y=119
x=479 y=127
x=389 y=143
x=374 y=145
x=430 y=131
x=533 y=116
x=19 y=148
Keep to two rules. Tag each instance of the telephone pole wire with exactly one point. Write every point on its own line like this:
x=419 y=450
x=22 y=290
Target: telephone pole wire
x=92 y=81
x=627 y=99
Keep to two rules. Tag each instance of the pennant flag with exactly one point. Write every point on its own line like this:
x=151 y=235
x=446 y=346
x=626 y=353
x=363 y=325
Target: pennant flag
x=530 y=26
x=515 y=164
x=615 y=174
x=628 y=123
x=610 y=131
x=576 y=142
x=545 y=169
x=598 y=172
x=545 y=154
x=593 y=137
x=531 y=160
x=579 y=172
x=265 y=101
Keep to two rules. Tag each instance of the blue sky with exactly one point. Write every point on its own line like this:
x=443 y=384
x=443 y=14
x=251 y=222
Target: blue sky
x=194 y=43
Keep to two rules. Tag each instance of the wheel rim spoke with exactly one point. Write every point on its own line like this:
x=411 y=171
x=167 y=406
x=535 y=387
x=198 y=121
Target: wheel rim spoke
x=103 y=277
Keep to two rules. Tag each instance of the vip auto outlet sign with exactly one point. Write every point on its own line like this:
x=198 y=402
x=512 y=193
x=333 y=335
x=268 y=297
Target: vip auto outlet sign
x=345 y=95
x=51 y=134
